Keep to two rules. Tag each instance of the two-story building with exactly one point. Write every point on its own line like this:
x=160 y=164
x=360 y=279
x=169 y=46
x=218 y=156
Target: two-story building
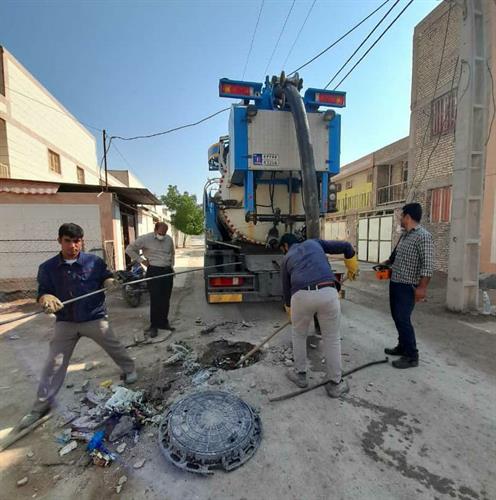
x=370 y=191
x=49 y=174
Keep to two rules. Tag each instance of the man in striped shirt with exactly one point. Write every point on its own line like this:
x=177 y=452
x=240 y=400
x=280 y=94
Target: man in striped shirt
x=412 y=262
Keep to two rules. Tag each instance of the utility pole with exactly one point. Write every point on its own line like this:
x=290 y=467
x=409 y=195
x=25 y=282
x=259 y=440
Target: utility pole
x=105 y=158
x=469 y=162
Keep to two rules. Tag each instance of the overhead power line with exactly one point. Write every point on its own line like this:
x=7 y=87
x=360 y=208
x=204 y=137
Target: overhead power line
x=280 y=35
x=114 y=145
x=54 y=109
x=149 y=136
x=253 y=38
x=362 y=44
x=299 y=32
x=339 y=39
x=374 y=44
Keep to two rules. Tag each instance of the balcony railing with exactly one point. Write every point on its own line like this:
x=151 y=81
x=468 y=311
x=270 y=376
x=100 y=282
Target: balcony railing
x=391 y=194
x=4 y=171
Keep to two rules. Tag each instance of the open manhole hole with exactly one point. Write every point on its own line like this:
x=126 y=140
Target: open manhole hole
x=224 y=355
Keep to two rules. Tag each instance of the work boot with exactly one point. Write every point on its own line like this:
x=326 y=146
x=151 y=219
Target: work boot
x=395 y=351
x=151 y=331
x=29 y=419
x=130 y=378
x=405 y=362
x=298 y=378
x=335 y=390
x=168 y=327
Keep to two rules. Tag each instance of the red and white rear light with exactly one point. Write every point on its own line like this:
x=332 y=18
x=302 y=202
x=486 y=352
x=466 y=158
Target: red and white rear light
x=225 y=281
x=330 y=99
x=238 y=89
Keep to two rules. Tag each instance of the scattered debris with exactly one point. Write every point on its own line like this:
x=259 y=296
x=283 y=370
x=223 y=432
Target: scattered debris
x=198 y=321
x=22 y=481
x=288 y=362
x=200 y=377
x=14 y=336
x=85 y=386
x=106 y=384
x=101 y=459
x=139 y=463
x=64 y=437
x=68 y=448
x=30 y=454
x=123 y=400
x=253 y=385
x=121 y=448
x=313 y=346
x=56 y=477
x=123 y=427
x=88 y=367
x=120 y=484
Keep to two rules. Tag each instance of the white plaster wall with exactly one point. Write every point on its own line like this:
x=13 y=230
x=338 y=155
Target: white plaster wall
x=28 y=234
x=33 y=127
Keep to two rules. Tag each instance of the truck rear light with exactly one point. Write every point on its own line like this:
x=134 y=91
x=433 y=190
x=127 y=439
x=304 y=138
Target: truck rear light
x=239 y=89
x=332 y=99
x=236 y=90
x=226 y=281
x=320 y=97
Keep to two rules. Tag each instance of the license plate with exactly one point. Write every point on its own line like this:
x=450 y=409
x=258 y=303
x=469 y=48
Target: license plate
x=215 y=298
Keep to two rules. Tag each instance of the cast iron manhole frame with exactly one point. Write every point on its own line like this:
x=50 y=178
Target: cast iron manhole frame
x=233 y=437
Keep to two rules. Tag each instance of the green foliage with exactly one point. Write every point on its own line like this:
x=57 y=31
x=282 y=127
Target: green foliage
x=188 y=215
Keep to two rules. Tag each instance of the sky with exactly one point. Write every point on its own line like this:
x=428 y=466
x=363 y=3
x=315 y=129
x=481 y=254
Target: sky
x=141 y=67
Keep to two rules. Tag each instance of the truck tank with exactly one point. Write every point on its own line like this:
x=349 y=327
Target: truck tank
x=258 y=195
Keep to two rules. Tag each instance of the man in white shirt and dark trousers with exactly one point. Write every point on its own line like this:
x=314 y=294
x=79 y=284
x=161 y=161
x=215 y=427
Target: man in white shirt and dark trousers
x=158 y=255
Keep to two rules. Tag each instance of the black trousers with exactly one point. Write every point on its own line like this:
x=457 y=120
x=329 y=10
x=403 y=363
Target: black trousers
x=402 y=303
x=160 y=293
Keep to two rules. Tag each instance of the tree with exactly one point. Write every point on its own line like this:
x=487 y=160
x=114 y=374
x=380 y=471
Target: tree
x=187 y=215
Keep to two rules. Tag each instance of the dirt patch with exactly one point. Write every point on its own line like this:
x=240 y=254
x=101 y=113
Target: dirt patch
x=224 y=354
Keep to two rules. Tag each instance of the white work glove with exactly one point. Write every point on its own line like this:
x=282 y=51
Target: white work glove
x=50 y=303
x=110 y=284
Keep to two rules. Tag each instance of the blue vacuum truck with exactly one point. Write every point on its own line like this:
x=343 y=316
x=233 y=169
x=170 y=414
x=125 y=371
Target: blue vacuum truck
x=276 y=168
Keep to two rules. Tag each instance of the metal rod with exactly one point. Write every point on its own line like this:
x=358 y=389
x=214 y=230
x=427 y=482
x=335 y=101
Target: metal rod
x=215 y=242
x=259 y=346
x=320 y=384
x=11 y=438
x=75 y=299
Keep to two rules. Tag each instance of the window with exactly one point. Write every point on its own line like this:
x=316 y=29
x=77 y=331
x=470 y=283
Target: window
x=440 y=204
x=349 y=184
x=80 y=175
x=443 y=114
x=338 y=187
x=54 y=162
x=369 y=177
x=404 y=177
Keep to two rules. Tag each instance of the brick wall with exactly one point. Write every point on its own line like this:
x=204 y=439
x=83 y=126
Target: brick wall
x=431 y=157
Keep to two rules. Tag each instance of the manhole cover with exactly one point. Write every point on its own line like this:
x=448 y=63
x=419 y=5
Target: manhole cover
x=210 y=430
x=225 y=355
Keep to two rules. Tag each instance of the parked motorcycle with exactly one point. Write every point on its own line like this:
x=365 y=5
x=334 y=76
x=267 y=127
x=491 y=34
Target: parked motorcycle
x=132 y=293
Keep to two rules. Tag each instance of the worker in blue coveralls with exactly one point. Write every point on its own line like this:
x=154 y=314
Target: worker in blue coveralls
x=310 y=288
x=72 y=273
